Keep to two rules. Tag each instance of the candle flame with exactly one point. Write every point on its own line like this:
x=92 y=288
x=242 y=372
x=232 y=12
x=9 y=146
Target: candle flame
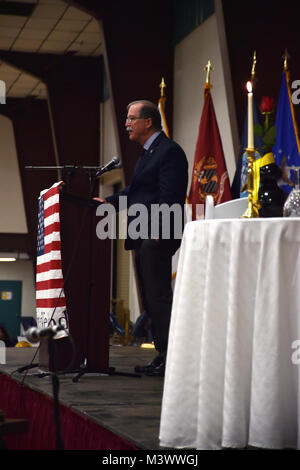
x=249 y=87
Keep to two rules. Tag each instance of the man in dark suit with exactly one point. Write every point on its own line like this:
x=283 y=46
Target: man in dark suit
x=159 y=182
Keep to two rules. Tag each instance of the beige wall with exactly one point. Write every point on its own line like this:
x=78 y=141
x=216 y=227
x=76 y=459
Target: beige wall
x=12 y=214
x=191 y=56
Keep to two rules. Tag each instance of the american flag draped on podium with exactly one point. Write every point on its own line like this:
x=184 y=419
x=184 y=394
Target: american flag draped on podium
x=51 y=306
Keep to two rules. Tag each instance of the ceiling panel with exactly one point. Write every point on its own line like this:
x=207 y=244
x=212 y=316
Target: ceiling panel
x=26 y=45
x=9 y=32
x=11 y=21
x=41 y=23
x=90 y=38
x=54 y=47
x=63 y=36
x=9 y=74
x=75 y=14
x=50 y=10
x=53 y=27
x=26 y=80
x=6 y=43
x=33 y=33
x=73 y=25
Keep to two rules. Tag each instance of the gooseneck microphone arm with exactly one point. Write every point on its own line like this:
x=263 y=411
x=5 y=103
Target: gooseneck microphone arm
x=93 y=172
x=97 y=170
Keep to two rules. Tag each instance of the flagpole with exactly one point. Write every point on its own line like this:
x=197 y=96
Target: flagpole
x=286 y=57
x=162 y=87
x=253 y=70
x=161 y=106
x=208 y=68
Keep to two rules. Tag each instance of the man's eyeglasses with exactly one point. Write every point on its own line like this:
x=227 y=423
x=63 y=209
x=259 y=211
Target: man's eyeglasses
x=132 y=118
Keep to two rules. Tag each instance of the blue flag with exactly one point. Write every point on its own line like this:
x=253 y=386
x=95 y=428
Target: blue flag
x=286 y=150
x=241 y=176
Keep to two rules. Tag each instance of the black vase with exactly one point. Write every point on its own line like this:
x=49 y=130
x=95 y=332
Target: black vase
x=270 y=195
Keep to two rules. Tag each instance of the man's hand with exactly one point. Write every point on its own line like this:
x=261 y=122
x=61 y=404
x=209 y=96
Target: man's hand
x=99 y=199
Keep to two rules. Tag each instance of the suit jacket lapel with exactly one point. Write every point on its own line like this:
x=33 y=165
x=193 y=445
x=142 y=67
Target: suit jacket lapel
x=156 y=142
x=147 y=154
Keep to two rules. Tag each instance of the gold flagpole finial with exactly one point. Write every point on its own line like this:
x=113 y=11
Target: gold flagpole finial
x=162 y=86
x=253 y=68
x=286 y=56
x=208 y=69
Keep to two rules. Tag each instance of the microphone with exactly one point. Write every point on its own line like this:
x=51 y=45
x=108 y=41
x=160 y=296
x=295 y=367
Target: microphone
x=114 y=163
x=33 y=334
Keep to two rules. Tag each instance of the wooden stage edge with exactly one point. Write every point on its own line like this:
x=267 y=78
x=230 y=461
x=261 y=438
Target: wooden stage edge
x=127 y=406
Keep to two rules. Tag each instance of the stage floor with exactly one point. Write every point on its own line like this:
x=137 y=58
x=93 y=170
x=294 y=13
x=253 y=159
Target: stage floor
x=127 y=406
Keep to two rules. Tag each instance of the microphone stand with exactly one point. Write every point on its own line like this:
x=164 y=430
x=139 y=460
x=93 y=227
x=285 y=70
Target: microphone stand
x=55 y=388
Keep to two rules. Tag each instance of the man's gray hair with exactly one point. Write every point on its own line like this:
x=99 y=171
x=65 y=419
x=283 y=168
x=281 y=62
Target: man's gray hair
x=149 y=110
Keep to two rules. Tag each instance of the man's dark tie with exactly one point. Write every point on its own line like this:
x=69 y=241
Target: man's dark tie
x=141 y=161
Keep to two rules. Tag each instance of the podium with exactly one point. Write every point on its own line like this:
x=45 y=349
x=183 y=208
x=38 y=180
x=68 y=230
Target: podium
x=86 y=270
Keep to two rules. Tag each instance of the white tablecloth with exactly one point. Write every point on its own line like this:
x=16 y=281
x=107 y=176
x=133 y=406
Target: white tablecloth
x=232 y=376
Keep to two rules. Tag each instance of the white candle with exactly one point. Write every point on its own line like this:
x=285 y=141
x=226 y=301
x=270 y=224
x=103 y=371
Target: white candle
x=250 y=117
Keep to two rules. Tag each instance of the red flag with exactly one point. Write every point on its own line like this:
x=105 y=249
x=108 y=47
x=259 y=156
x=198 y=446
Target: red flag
x=210 y=175
x=50 y=296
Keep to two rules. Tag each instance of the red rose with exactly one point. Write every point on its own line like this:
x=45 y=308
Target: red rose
x=267 y=104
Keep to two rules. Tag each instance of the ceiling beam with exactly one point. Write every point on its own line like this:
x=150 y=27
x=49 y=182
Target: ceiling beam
x=39 y=64
x=28 y=62
x=17 y=8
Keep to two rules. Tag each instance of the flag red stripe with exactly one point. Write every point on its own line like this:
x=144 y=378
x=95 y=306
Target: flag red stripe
x=51 y=210
x=55 y=227
x=50 y=303
x=51 y=192
x=53 y=246
x=49 y=284
x=52 y=264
